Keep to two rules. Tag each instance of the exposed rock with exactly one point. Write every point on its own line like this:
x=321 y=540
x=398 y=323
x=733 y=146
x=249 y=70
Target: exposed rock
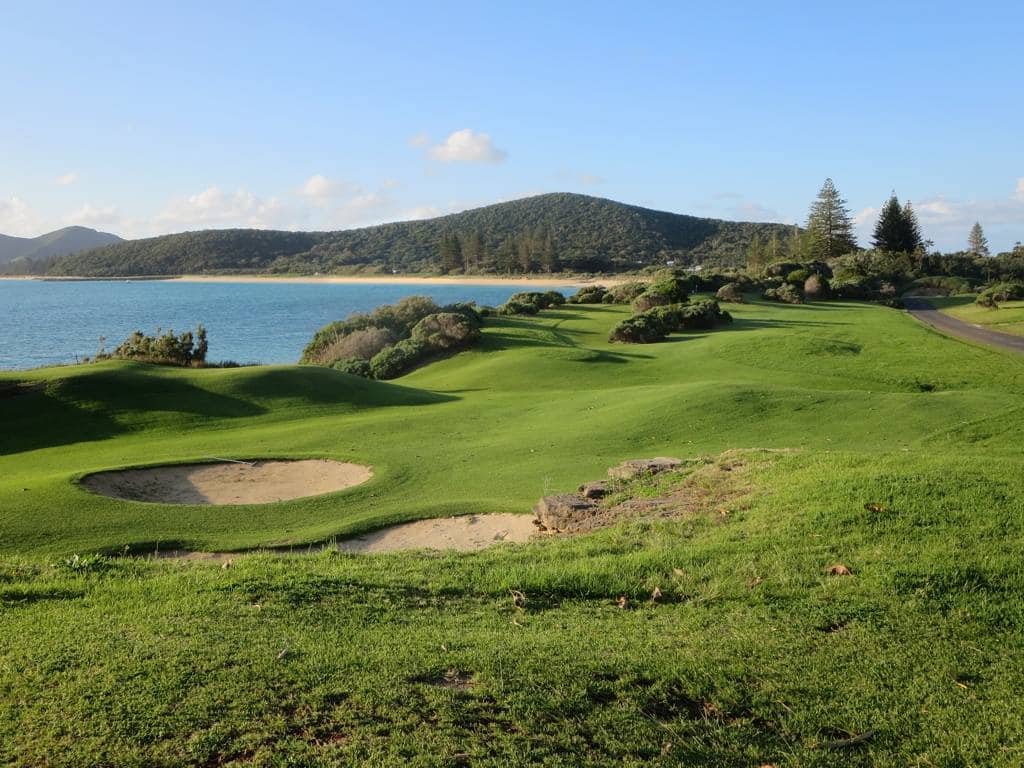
x=628 y=470
x=595 y=490
x=566 y=513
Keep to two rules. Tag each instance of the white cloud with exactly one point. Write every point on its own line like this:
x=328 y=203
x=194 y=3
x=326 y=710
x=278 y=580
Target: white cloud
x=215 y=208
x=465 y=146
x=95 y=216
x=419 y=140
x=318 y=188
x=18 y=219
x=363 y=210
x=66 y=180
x=1019 y=194
x=865 y=216
x=420 y=212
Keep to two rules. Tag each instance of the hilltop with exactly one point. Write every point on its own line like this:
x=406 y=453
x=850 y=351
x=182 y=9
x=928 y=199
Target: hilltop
x=60 y=242
x=558 y=231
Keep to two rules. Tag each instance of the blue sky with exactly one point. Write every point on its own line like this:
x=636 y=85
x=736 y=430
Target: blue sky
x=143 y=120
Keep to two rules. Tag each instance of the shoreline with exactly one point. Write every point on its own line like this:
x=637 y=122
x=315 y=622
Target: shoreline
x=531 y=280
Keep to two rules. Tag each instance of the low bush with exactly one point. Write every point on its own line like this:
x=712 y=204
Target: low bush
x=364 y=343
x=938 y=285
x=817 y=288
x=517 y=308
x=623 y=293
x=798 y=276
x=730 y=292
x=671 y=290
x=785 y=293
x=544 y=300
x=165 y=349
x=396 y=360
x=639 y=329
x=357 y=366
x=992 y=295
x=398 y=318
x=589 y=294
x=446 y=330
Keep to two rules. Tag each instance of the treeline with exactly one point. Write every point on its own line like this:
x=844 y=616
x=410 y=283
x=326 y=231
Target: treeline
x=554 y=232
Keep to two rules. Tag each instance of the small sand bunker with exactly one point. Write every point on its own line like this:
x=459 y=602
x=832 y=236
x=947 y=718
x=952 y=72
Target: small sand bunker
x=258 y=482
x=464 y=533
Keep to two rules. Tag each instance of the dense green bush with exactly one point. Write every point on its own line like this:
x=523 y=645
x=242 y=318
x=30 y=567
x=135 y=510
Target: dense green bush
x=785 y=293
x=798 y=276
x=517 y=308
x=639 y=329
x=817 y=288
x=672 y=290
x=938 y=285
x=165 y=349
x=589 y=294
x=730 y=292
x=398 y=318
x=1000 y=292
x=396 y=360
x=446 y=330
x=623 y=293
x=544 y=300
x=357 y=366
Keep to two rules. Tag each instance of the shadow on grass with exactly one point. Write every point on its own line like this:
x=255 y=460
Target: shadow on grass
x=15 y=597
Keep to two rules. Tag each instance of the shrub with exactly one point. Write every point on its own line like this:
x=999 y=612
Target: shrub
x=363 y=343
x=639 y=329
x=396 y=360
x=938 y=285
x=623 y=293
x=730 y=292
x=851 y=288
x=398 y=318
x=165 y=349
x=782 y=268
x=1001 y=292
x=702 y=315
x=589 y=294
x=817 y=287
x=356 y=366
x=543 y=300
x=517 y=308
x=798 y=276
x=671 y=290
x=446 y=330
x=785 y=293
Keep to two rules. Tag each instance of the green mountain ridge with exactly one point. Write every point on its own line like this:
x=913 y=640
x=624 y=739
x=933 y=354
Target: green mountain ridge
x=576 y=232
x=60 y=242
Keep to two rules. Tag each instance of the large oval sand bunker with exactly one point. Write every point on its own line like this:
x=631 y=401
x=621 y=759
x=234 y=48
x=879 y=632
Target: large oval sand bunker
x=257 y=482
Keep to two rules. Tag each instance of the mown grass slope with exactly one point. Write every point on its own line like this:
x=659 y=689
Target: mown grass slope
x=754 y=654
x=1008 y=318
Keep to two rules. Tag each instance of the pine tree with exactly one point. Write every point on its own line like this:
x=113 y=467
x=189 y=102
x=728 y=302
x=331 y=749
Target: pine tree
x=889 y=229
x=773 y=251
x=444 y=253
x=913 y=240
x=829 y=224
x=977 y=243
x=471 y=252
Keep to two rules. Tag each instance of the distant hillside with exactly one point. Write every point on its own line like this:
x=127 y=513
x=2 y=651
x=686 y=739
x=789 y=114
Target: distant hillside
x=61 y=242
x=553 y=231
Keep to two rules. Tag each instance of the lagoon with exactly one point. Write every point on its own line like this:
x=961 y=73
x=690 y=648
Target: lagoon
x=53 y=321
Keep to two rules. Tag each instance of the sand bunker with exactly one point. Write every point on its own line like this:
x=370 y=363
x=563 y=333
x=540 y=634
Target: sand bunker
x=258 y=482
x=462 y=533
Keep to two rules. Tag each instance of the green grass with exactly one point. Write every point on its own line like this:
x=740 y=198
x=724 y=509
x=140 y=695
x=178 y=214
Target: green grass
x=754 y=655
x=1008 y=318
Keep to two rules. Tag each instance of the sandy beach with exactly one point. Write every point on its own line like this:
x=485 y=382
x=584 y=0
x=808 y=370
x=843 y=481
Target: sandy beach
x=551 y=282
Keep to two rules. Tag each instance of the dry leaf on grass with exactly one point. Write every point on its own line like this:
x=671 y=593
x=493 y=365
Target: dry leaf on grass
x=874 y=506
x=839 y=570
x=518 y=598
x=656 y=595
x=755 y=581
x=622 y=602
x=678 y=571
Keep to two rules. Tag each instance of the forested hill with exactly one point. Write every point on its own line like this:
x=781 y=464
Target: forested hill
x=548 y=232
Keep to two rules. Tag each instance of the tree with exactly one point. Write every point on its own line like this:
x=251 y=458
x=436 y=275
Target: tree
x=829 y=224
x=977 y=243
x=756 y=256
x=897 y=230
x=914 y=241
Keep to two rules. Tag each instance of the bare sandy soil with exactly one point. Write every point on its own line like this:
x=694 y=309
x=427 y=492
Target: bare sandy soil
x=258 y=482
x=464 y=533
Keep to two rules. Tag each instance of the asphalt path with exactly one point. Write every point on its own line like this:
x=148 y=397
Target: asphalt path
x=926 y=312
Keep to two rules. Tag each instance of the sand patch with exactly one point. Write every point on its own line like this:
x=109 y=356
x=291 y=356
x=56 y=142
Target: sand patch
x=464 y=533
x=259 y=482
